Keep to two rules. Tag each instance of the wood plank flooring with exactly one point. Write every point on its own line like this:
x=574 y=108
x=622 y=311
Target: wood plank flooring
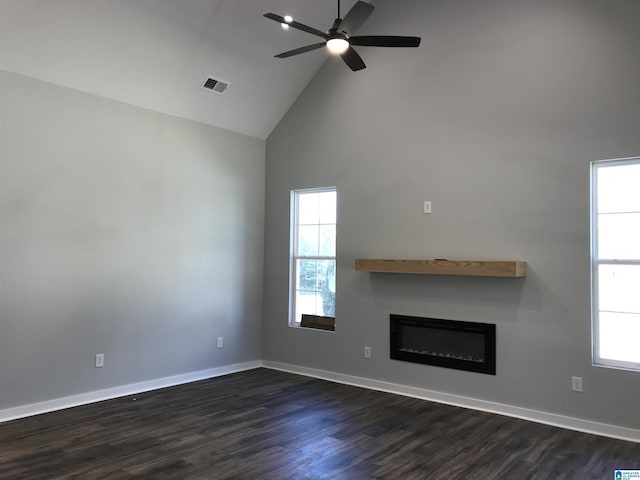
x=265 y=424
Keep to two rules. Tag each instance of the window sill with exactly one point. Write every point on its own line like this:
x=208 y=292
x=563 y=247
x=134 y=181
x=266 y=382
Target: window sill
x=626 y=366
x=299 y=327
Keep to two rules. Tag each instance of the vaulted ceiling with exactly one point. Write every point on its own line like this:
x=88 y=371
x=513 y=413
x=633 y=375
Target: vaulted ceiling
x=156 y=54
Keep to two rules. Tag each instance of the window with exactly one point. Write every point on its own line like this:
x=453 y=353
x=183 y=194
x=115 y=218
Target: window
x=313 y=254
x=615 y=265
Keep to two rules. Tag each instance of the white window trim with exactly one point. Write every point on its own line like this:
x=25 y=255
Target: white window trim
x=293 y=235
x=596 y=262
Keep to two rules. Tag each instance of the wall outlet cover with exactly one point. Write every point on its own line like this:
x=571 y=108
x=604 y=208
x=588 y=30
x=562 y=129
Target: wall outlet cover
x=576 y=384
x=99 y=360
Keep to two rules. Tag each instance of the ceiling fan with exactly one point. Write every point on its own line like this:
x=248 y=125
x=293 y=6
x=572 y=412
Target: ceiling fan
x=338 y=40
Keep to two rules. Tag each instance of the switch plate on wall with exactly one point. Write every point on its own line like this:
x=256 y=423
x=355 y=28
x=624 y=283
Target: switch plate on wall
x=99 y=360
x=427 y=206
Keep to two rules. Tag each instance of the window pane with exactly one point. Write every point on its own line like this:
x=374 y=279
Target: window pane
x=328 y=304
x=308 y=208
x=306 y=302
x=327 y=286
x=620 y=337
x=306 y=278
x=308 y=241
x=327 y=275
x=327 y=241
x=619 y=236
x=618 y=188
x=618 y=288
x=328 y=207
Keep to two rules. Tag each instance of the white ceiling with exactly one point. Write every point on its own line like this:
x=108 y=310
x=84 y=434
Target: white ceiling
x=157 y=53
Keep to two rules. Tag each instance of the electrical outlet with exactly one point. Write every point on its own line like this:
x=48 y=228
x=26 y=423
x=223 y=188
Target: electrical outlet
x=99 y=360
x=576 y=384
x=367 y=352
x=219 y=344
x=427 y=206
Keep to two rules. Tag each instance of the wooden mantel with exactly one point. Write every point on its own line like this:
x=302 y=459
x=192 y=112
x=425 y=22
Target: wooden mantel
x=467 y=268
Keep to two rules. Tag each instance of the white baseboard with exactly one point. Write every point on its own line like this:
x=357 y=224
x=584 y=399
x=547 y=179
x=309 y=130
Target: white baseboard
x=537 y=416
x=121 y=391
x=555 y=420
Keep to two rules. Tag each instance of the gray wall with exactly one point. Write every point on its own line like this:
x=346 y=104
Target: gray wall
x=495 y=119
x=123 y=232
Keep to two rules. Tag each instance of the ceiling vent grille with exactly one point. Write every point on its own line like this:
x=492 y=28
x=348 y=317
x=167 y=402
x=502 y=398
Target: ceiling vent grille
x=217 y=86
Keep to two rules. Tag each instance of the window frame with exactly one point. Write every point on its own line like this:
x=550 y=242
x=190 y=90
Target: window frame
x=293 y=248
x=596 y=262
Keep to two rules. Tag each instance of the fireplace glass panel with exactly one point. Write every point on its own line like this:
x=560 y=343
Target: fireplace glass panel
x=443 y=343
x=454 y=344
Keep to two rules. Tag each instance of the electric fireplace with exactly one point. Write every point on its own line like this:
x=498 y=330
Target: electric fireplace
x=454 y=344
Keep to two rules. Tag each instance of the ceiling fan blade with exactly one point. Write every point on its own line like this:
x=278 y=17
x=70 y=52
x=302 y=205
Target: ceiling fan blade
x=353 y=60
x=297 y=25
x=356 y=17
x=385 y=41
x=297 y=51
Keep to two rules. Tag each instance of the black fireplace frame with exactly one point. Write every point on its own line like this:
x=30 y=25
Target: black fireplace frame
x=488 y=366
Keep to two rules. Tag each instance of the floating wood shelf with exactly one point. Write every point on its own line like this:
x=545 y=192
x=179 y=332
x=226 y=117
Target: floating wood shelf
x=467 y=268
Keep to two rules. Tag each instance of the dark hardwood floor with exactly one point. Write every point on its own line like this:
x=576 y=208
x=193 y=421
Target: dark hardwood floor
x=265 y=424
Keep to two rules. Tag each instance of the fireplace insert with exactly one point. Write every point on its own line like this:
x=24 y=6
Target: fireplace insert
x=455 y=344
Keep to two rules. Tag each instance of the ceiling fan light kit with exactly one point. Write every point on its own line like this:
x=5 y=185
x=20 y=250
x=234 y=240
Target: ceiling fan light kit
x=287 y=20
x=338 y=40
x=337 y=45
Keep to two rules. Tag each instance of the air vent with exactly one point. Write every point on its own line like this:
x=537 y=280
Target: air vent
x=217 y=86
